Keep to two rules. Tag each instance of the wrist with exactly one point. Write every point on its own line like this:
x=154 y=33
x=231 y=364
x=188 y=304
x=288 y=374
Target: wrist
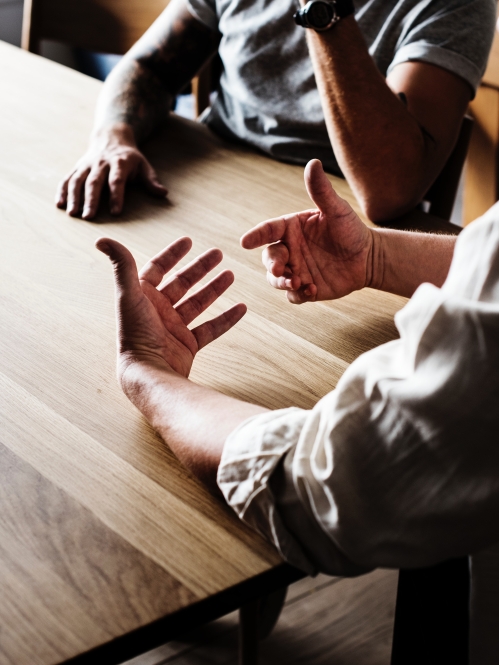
x=118 y=133
x=136 y=375
x=323 y=15
x=375 y=261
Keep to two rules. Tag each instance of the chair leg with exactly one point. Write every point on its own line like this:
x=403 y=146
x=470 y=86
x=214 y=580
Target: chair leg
x=432 y=615
x=248 y=633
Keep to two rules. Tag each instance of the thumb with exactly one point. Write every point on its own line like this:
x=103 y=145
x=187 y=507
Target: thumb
x=150 y=179
x=319 y=188
x=125 y=269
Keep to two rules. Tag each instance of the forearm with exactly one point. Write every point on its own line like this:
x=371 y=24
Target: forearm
x=133 y=102
x=140 y=90
x=402 y=261
x=193 y=420
x=387 y=157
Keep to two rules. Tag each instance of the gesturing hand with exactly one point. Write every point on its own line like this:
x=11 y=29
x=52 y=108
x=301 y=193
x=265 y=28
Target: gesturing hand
x=153 y=317
x=315 y=254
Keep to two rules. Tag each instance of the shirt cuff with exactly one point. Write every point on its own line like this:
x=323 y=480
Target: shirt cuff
x=204 y=13
x=250 y=456
x=441 y=57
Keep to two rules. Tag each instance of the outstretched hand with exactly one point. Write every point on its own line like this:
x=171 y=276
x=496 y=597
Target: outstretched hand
x=318 y=254
x=153 y=315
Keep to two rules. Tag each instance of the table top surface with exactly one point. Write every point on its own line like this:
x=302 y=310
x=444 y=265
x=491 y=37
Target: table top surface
x=102 y=532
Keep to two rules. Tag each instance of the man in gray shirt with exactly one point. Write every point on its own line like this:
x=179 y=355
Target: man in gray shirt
x=379 y=94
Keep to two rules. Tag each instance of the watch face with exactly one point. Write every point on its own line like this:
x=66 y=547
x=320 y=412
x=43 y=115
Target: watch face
x=320 y=14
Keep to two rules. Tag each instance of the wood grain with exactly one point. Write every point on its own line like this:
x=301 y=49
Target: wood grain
x=101 y=530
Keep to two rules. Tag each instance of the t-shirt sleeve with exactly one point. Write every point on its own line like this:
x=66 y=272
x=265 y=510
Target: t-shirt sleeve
x=457 y=37
x=205 y=11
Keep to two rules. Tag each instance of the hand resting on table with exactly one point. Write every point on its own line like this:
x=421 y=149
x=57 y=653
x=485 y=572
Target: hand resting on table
x=112 y=159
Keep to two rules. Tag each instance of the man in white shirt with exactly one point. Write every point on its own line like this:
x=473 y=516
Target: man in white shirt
x=397 y=467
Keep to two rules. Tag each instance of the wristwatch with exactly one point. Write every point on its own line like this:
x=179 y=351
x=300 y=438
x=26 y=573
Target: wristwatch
x=321 y=15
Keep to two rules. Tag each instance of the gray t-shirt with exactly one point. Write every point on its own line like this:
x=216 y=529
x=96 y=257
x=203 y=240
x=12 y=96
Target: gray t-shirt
x=268 y=95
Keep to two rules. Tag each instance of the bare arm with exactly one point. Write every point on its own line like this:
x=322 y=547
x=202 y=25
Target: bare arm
x=403 y=260
x=389 y=151
x=156 y=350
x=140 y=90
x=193 y=420
x=135 y=99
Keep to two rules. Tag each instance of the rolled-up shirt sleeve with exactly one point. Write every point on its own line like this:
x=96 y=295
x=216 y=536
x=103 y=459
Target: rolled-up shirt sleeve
x=399 y=466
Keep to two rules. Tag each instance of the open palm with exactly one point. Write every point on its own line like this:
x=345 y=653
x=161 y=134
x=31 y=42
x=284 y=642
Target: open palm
x=318 y=254
x=153 y=322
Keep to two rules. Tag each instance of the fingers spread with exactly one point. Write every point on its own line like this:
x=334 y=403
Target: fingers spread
x=154 y=271
x=198 y=302
x=270 y=231
x=275 y=257
x=75 y=186
x=125 y=268
x=319 y=188
x=93 y=189
x=150 y=180
x=211 y=330
x=185 y=279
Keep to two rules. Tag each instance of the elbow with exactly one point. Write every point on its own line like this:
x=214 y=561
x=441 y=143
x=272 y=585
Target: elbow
x=389 y=205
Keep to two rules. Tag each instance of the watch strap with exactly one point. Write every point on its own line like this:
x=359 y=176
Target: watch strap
x=344 y=8
x=321 y=15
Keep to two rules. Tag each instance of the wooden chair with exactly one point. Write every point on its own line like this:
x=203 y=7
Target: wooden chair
x=442 y=193
x=104 y=26
x=481 y=184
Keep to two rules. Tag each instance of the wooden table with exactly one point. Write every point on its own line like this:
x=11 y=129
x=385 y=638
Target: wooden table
x=108 y=546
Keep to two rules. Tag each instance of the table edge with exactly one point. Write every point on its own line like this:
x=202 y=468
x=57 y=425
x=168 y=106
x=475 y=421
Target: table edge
x=163 y=630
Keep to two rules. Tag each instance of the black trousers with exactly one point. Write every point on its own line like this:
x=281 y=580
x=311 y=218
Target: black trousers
x=432 y=615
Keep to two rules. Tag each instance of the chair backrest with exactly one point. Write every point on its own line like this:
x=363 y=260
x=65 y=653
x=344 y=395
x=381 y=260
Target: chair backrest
x=105 y=26
x=442 y=193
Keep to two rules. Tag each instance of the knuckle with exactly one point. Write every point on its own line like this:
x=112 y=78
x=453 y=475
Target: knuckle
x=79 y=177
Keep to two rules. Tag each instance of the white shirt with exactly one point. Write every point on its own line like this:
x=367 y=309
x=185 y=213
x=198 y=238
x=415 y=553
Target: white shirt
x=399 y=466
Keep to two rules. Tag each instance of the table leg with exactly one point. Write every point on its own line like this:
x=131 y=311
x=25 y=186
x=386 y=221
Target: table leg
x=248 y=633
x=432 y=615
